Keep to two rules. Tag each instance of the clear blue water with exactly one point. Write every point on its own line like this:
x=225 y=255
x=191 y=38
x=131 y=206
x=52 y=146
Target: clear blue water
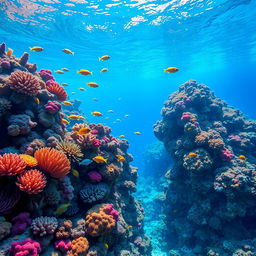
x=213 y=42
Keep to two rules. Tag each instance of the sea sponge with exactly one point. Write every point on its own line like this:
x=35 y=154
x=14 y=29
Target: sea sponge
x=11 y=164
x=26 y=247
x=54 y=88
x=43 y=226
x=5 y=228
x=31 y=181
x=99 y=223
x=79 y=247
x=71 y=150
x=53 y=161
x=29 y=160
x=24 y=82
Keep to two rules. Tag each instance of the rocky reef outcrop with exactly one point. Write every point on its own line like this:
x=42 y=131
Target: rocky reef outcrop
x=211 y=201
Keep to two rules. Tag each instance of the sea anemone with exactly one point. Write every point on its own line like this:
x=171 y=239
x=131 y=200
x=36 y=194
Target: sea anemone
x=71 y=150
x=29 y=160
x=54 y=88
x=11 y=164
x=24 y=82
x=31 y=181
x=53 y=161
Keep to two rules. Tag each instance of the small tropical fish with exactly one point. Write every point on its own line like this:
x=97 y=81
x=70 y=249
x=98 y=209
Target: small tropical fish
x=75 y=173
x=193 y=119
x=242 y=157
x=192 y=154
x=84 y=72
x=126 y=115
x=9 y=52
x=110 y=111
x=106 y=246
x=59 y=71
x=137 y=133
x=95 y=99
x=64 y=84
x=96 y=113
x=120 y=158
x=105 y=57
x=67 y=103
x=83 y=131
x=67 y=51
x=129 y=226
x=92 y=84
x=118 y=120
x=171 y=70
x=72 y=93
x=121 y=136
x=36 y=49
x=65 y=69
x=37 y=101
x=86 y=162
x=76 y=117
x=81 y=89
x=100 y=159
x=104 y=70
x=62 y=208
x=65 y=121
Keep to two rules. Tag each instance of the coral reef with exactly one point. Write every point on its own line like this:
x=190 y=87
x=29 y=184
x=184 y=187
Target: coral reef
x=49 y=182
x=210 y=200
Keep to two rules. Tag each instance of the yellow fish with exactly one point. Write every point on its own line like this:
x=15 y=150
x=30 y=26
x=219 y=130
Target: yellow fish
x=96 y=113
x=81 y=89
x=110 y=111
x=137 y=133
x=121 y=136
x=67 y=103
x=59 y=71
x=93 y=85
x=100 y=159
x=106 y=246
x=83 y=131
x=36 y=49
x=104 y=70
x=84 y=72
x=105 y=57
x=75 y=173
x=171 y=70
x=67 y=51
x=65 y=69
x=120 y=158
x=76 y=117
x=95 y=99
x=242 y=157
x=192 y=154
x=193 y=119
x=129 y=226
x=65 y=121
x=37 y=101
x=62 y=208
x=64 y=84
x=9 y=52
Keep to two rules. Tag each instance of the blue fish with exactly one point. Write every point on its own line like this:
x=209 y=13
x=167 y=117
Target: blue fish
x=86 y=162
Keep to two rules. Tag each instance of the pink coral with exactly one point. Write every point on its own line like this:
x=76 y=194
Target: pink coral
x=109 y=209
x=63 y=245
x=186 y=116
x=96 y=143
x=27 y=247
x=52 y=107
x=46 y=74
x=226 y=154
x=95 y=176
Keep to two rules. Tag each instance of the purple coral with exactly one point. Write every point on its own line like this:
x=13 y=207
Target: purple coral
x=27 y=247
x=62 y=245
x=226 y=154
x=94 y=176
x=20 y=223
x=52 y=107
x=109 y=209
x=46 y=75
x=67 y=188
x=43 y=226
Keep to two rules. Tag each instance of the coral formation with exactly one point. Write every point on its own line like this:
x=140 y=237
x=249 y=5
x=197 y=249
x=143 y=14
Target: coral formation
x=210 y=200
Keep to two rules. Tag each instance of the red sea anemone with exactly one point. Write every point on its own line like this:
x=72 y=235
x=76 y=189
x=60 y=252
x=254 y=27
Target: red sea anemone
x=24 y=82
x=11 y=164
x=31 y=181
x=54 y=88
x=53 y=161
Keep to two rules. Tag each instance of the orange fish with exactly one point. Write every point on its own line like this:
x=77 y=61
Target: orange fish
x=104 y=70
x=120 y=158
x=192 y=154
x=105 y=57
x=83 y=131
x=171 y=70
x=242 y=157
x=96 y=113
x=93 y=85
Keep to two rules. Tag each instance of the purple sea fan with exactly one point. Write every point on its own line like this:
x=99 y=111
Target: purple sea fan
x=43 y=226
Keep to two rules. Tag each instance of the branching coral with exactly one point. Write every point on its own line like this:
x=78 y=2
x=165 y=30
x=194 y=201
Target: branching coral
x=43 y=226
x=27 y=247
x=54 y=88
x=53 y=161
x=31 y=181
x=24 y=82
x=11 y=164
x=71 y=150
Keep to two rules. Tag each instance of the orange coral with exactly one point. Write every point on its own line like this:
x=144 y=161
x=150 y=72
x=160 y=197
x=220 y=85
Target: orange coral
x=98 y=223
x=11 y=164
x=79 y=247
x=29 y=160
x=54 y=88
x=53 y=161
x=31 y=181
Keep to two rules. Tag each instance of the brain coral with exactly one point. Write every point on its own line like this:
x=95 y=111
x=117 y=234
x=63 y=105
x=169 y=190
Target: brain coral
x=54 y=88
x=31 y=181
x=79 y=247
x=53 y=161
x=202 y=161
x=24 y=82
x=11 y=164
x=92 y=193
